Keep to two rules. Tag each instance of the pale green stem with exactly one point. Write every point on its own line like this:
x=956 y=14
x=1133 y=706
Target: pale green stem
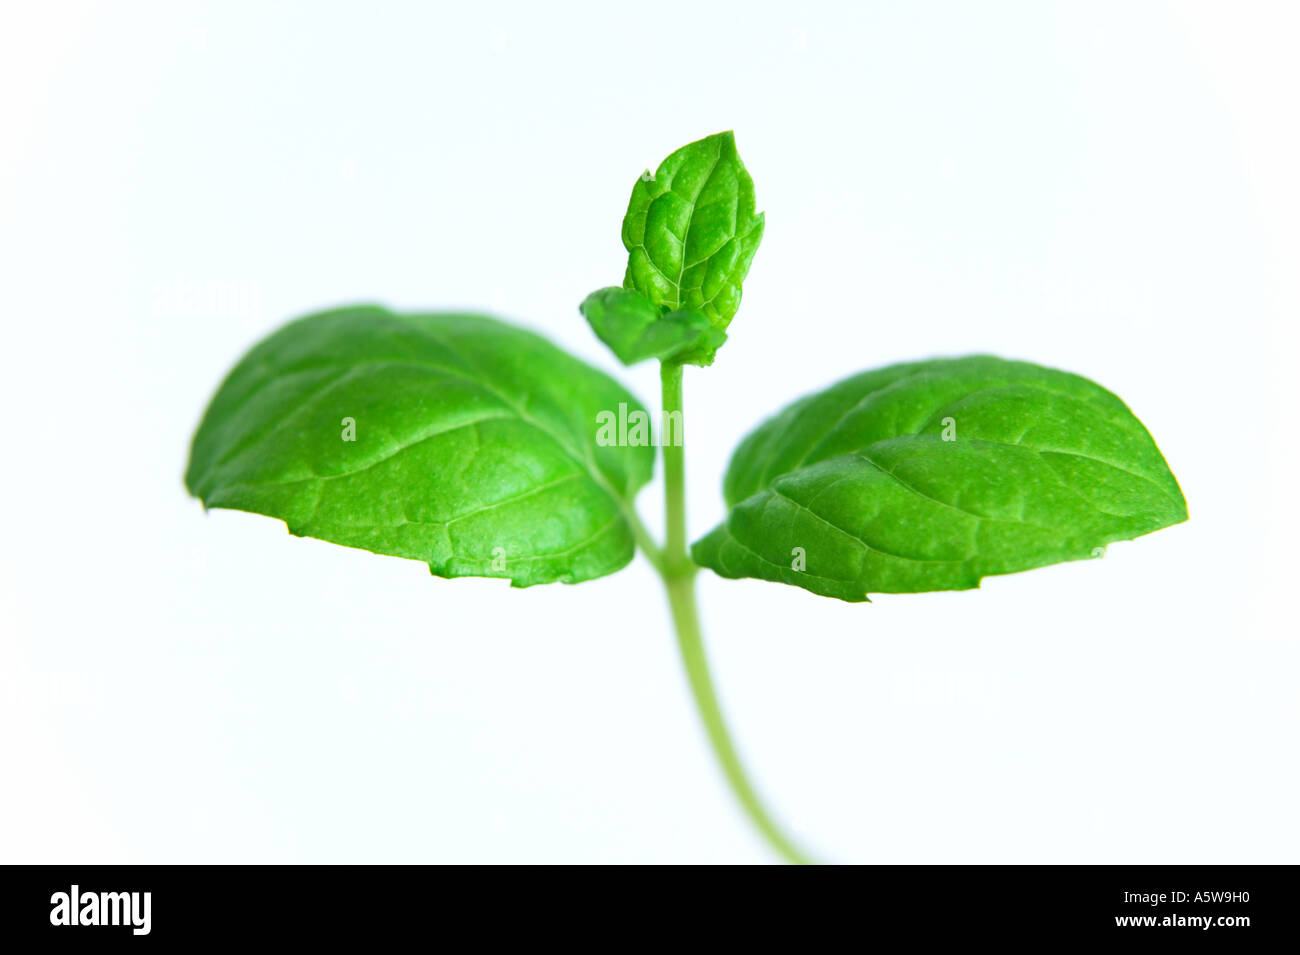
x=678 y=573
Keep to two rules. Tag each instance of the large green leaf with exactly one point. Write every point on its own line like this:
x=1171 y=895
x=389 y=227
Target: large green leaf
x=934 y=474
x=475 y=445
x=691 y=230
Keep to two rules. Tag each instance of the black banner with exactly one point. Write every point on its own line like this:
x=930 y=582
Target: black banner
x=213 y=904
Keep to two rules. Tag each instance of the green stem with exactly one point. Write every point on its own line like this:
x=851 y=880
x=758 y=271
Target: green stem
x=678 y=573
x=676 y=560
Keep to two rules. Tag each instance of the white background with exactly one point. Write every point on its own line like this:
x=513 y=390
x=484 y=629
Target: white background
x=1105 y=187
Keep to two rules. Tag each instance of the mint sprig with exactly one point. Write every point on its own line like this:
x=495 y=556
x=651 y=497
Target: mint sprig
x=483 y=450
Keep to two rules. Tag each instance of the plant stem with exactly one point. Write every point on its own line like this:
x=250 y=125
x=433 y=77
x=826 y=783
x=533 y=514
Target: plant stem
x=676 y=560
x=678 y=573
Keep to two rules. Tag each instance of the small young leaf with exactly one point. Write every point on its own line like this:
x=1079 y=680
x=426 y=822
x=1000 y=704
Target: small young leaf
x=691 y=230
x=635 y=329
x=934 y=474
x=452 y=439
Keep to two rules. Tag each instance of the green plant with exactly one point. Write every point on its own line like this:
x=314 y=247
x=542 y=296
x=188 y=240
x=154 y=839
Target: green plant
x=483 y=450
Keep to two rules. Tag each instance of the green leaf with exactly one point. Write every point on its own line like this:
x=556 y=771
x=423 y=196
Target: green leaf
x=691 y=231
x=474 y=445
x=934 y=474
x=635 y=329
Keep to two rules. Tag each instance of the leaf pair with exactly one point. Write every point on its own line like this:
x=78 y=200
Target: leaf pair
x=691 y=233
x=484 y=450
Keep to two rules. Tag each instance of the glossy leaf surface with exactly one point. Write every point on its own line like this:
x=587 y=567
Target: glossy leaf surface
x=453 y=439
x=932 y=475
